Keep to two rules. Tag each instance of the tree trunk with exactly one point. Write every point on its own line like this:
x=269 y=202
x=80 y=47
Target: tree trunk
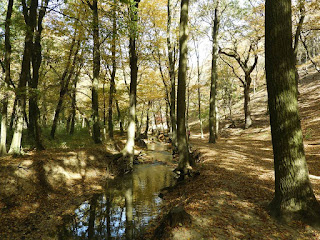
x=96 y=73
x=145 y=134
x=183 y=148
x=129 y=148
x=7 y=62
x=113 y=73
x=247 y=111
x=74 y=105
x=30 y=20
x=214 y=77
x=13 y=114
x=34 y=112
x=293 y=191
x=172 y=80
x=119 y=119
x=199 y=104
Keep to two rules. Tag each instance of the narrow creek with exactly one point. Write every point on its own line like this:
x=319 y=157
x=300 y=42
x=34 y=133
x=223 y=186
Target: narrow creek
x=127 y=204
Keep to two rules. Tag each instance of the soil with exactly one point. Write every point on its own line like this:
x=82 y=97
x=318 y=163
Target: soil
x=229 y=199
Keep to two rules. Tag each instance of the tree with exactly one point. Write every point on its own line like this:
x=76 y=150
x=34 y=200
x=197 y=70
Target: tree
x=213 y=134
x=96 y=71
x=293 y=191
x=247 y=70
x=34 y=113
x=114 y=68
x=65 y=79
x=183 y=149
x=3 y=149
x=171 y=67
x=29 y=14
x=133 y=31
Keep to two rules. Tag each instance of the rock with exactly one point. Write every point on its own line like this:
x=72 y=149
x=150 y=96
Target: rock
x=177 y=216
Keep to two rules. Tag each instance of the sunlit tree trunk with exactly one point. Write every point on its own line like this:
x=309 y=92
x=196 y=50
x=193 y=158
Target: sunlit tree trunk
x=7 y=62
x=129 y=148
x=293 y=191
x=183 y=148
x=213 y=134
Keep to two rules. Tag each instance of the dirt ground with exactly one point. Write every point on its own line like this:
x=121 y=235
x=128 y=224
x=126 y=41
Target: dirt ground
x=228 y=199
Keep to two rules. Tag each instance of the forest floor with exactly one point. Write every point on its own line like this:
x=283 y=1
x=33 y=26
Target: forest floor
x=228 y=200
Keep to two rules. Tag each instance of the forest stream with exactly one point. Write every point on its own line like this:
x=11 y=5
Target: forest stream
x=126 y=205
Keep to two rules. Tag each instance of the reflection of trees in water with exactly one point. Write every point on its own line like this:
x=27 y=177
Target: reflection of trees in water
x=127 y=205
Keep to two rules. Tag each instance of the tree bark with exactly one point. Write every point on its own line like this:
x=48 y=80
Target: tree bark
x=214 y=77
x=29 y=13
x=247 y=110
x=7 y=63
x=172 y=79
x=119 y=118
x=293 y=191
x=129 y=148
x=113 y=73
x=34 y=112
x=183 y=148
x=96 y=73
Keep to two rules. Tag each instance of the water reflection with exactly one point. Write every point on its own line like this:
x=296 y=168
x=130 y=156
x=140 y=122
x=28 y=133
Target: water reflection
x=124 y=209
x=159 y=151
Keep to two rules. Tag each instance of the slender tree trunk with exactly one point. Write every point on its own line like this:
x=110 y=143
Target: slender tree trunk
x=7 y=62
x=96 y=73
x=214 y=77
x=293 y=191
x=129 y=148
x=114 y=68
x=183 y=148
x=172 y=79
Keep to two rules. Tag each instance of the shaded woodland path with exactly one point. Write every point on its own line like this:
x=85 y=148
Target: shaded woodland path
x=228 y=200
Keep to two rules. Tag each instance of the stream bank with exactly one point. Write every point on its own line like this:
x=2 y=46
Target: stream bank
x=39 y=189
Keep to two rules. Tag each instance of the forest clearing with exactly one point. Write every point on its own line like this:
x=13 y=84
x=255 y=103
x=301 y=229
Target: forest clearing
x=159 y=119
